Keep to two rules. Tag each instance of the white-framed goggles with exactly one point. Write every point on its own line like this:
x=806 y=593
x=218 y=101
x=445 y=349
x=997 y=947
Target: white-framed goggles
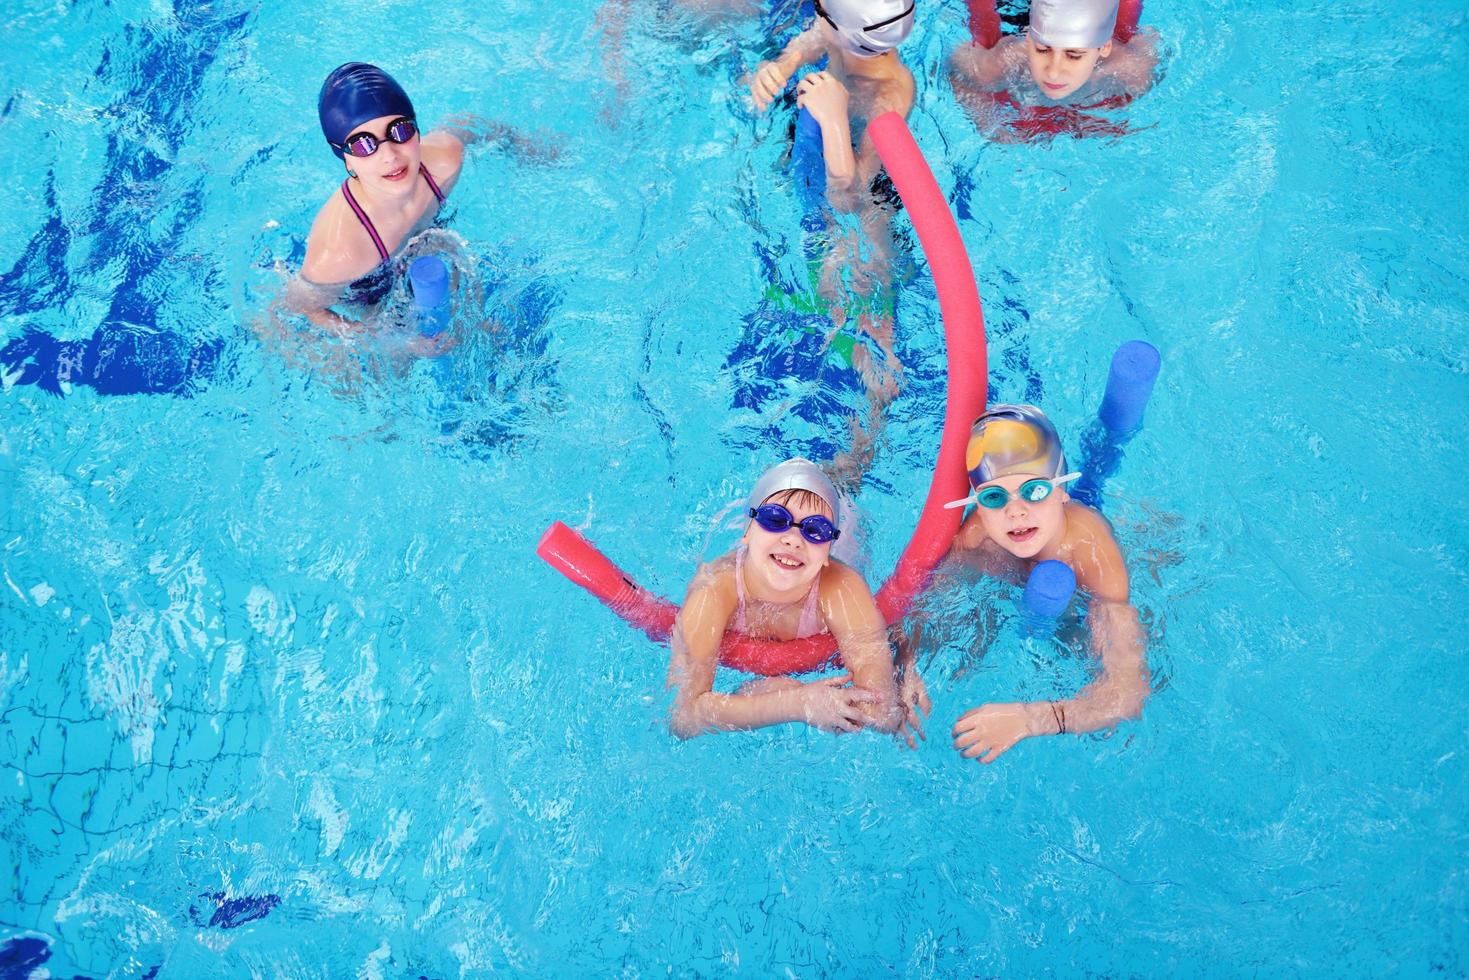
x=1032 y=491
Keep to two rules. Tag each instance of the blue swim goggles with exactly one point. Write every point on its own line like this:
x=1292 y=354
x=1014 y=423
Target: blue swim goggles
x=1031 y=491
x=775 y=519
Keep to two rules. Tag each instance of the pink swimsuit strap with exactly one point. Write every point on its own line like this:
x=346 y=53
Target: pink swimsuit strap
x=810 y=624
x=367 y=222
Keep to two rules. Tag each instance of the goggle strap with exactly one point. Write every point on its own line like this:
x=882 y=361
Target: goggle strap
x=890 y=20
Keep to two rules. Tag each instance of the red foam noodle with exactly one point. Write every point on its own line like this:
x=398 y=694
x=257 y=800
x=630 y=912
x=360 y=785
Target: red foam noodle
x=1129 y=12
x=968 y=375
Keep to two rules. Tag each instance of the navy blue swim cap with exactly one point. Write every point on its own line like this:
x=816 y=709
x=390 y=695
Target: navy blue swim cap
x=355 y=93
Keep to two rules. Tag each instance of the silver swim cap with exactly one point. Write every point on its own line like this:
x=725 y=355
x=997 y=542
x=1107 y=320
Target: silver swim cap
x=867 y=28
x=1013 y=439
x=797 y=474
x=1072 y=23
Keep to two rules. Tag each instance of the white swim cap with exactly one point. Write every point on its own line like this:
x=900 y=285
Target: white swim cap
x=867 y=28
x=1072 y=23
x=797 y=474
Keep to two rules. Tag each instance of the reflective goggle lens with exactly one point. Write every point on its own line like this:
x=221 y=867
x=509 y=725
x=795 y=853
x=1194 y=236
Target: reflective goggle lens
x=366 y=144
x=775 y=519
x=1033 y=491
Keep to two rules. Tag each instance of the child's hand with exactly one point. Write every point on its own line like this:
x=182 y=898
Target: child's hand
x=991 y=730
x=823 y=95
x=832 y=706
x=433 y=346
x=769 y=81
x=913 y=695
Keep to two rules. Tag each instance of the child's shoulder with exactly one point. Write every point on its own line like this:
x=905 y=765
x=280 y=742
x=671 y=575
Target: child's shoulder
x=443 y=154
x=838 y=576
x=971 y=535
x=1130 y=67
x=336 y=252
x=1093 y=554
x=442 y=146
x=975 y=67
x=1086 y=525
x=902 y=90
x=714 y=574
x=843 y=588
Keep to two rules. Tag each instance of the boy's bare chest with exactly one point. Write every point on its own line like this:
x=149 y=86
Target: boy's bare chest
x=868 y=96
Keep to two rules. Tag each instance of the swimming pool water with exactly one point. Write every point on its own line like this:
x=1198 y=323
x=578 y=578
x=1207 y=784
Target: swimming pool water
x=285 y=692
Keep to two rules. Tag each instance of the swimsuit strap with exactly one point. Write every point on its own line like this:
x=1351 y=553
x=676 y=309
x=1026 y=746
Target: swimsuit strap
x=366 y=221
x=431 y=184
x=811 y=623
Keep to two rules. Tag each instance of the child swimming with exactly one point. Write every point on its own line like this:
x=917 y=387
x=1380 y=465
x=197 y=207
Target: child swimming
x=1067 y=57
x=397 y=181
x=782 y=584
x=1018 y=473
x=864 y=78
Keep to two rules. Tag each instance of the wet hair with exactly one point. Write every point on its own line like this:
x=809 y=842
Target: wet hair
x=802 y=499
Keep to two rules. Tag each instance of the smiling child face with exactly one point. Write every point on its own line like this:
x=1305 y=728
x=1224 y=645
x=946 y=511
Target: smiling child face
x=784 y=561
x=393 y=167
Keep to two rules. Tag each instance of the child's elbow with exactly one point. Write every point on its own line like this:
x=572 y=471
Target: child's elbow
x=1130 y=700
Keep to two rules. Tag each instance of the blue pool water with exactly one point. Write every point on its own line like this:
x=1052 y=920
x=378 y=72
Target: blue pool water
x=285 y=692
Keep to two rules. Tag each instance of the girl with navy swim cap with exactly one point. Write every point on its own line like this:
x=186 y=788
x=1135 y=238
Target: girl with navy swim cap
x=395 y=181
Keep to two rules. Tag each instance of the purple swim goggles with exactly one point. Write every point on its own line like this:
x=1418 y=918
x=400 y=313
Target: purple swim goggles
x=775 y=519
x=365 y=144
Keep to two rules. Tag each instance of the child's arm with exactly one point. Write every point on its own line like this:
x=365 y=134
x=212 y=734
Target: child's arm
x=771 y=77
x=314 y=300
x=990 y=730
x=912 y=692
x=826 y=704
x=1116 y=633
x=468 y=129
x=862 y=636
x=825 y=97
x=973 y=67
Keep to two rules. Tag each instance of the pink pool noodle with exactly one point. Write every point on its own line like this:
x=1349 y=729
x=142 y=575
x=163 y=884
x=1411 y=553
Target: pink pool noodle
x=579 y=560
